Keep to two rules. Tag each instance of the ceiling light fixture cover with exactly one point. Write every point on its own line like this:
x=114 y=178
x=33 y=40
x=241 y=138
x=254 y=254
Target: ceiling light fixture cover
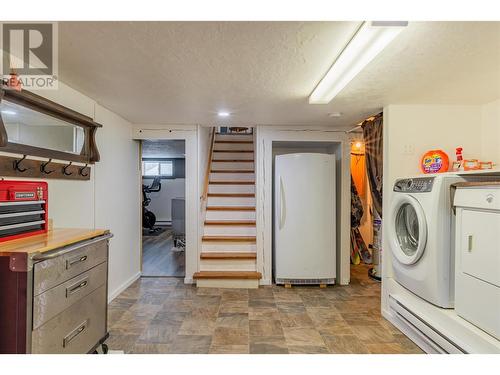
x=370 y=39
x=223 y=114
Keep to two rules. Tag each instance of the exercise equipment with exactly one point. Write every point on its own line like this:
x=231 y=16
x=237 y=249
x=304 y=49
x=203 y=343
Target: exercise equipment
x=148 y=217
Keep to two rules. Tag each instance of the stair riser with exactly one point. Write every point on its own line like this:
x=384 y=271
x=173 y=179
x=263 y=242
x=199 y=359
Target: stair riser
x=233 y=166
x=227 y=247
x=232 y=177
x=230 y=215
x=228 y=265
x=231 y=201
x=232 y=156
x=234 y=137
x=230 y=230
x=229 y=189
x=233 y=146
x=217 y=283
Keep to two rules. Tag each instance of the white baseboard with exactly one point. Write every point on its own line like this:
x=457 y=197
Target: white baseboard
x=265 y=282
x=188 y=280
x=112 y=295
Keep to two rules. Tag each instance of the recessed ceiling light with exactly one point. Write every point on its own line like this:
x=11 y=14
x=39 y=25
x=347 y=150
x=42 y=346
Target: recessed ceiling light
x=223 y=114
x=370 y=39
x=8 y=112
x=335 y=114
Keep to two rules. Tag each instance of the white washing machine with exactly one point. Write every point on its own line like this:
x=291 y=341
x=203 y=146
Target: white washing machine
x=421 y=235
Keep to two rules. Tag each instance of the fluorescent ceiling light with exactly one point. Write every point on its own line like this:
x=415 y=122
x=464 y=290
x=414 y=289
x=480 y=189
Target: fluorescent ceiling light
x=370 y=39
x=8 y=112
x=223 y=114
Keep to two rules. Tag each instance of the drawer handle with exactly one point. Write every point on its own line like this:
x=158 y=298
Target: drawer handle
x=73 y=334
x=73 y=261
x=76 y=287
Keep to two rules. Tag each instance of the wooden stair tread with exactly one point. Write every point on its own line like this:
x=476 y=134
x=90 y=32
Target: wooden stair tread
x=251 y=275
x=230 y=208
x=231 y=195
x=231 y=171
x=231 y=182
x=228 y=255
x=249 y=239
x=232 y=161
x=244 y=151
x=234 y=141
x=230 y=222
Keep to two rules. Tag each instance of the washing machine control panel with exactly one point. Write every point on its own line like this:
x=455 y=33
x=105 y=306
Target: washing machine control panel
x=414 y=185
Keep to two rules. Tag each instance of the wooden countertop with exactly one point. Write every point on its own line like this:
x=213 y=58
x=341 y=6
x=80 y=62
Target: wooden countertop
x=51 y=240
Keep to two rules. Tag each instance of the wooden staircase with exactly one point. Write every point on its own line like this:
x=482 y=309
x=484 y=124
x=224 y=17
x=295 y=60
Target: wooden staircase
x=228 y=257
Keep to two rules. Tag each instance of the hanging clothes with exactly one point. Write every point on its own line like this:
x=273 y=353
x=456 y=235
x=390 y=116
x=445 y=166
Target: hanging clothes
x=359 y=251
x=373 y=138
x=356 y=206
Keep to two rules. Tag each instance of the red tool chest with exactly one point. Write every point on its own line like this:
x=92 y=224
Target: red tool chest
x=23 y=209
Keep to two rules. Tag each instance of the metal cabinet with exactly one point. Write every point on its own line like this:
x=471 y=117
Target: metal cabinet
x=59 y=304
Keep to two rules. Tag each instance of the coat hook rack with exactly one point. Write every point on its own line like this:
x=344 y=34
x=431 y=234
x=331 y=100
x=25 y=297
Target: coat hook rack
x=43 y=167
x=65 y=169
x=17 y=165
x=80 y=170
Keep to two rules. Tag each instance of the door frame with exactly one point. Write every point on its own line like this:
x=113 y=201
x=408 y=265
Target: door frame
x=265 y=136
x=189 y=135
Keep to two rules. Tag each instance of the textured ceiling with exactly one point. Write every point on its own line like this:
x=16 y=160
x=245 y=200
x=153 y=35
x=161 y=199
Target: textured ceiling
x=263 y=72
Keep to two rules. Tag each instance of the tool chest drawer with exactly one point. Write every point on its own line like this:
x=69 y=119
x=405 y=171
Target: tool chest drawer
x=51 y=272
x=75 y=330
x=53 y=301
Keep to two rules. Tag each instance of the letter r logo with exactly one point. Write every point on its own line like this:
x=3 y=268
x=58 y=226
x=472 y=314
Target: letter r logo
x=28 y=48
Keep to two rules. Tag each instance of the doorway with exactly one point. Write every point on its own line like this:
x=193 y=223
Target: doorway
x=366 y=197
x=163 y=164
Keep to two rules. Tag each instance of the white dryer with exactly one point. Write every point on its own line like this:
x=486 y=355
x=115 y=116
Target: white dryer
x=421 y=235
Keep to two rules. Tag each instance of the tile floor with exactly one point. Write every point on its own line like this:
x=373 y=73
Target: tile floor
x=162 y=315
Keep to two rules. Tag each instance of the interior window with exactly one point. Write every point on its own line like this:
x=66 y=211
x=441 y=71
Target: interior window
x=158 y=168
x=166 y=168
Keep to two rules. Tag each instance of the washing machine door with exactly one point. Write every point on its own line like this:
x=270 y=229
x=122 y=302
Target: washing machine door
x=408 y=229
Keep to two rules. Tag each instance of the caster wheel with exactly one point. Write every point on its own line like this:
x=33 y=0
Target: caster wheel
x=104 y=348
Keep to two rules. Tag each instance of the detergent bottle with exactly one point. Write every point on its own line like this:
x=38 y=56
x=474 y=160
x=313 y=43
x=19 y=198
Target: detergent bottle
x=458 y=164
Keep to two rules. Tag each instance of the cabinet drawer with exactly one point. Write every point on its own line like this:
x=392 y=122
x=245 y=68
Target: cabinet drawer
x=51 y=272
x=76 y=330
x=51 y=302
x=480 y=197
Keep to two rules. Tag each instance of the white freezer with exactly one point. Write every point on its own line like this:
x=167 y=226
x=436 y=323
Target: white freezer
x=304 y=222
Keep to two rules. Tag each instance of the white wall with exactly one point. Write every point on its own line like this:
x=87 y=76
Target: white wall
x=420 y=128
x=490 y=132
x=117 y=197
x=161 y=201
x=111 y=198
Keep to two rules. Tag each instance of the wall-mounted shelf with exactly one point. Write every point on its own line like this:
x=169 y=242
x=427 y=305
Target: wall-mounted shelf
x=33 y=125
